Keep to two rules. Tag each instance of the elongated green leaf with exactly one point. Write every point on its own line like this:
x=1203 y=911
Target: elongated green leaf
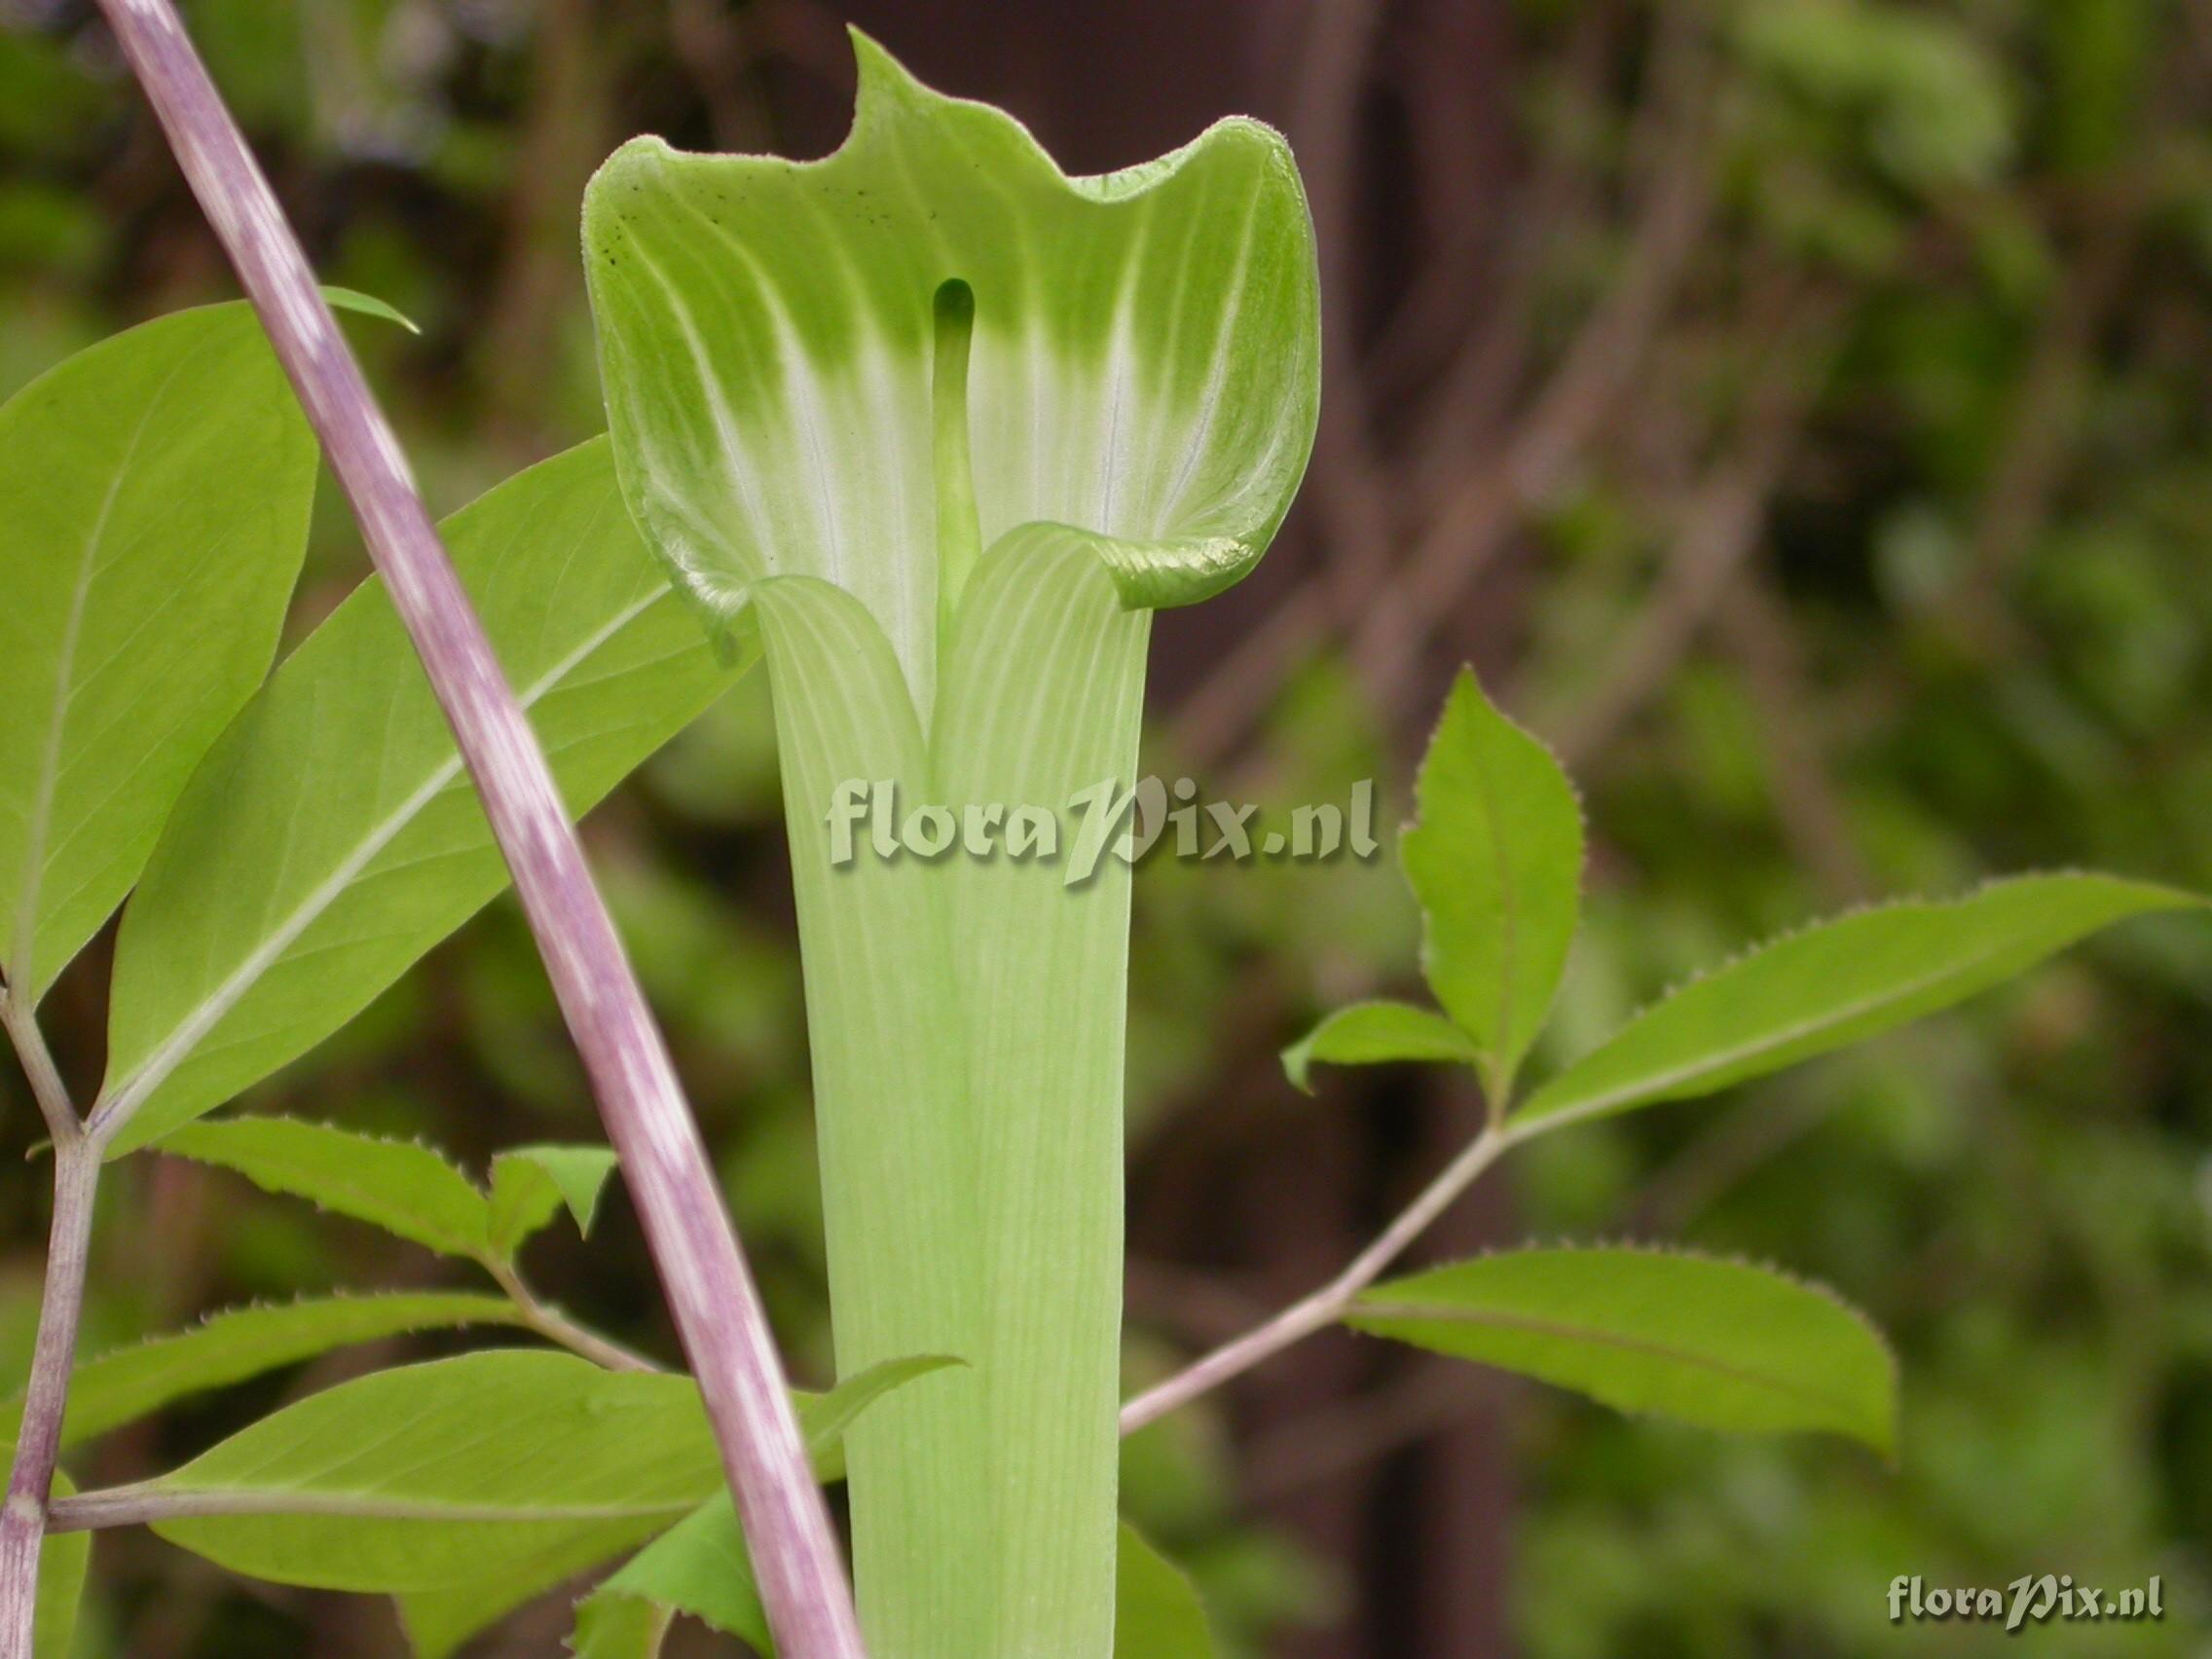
x=154 y=491
x=700 y=1567
x=402 y=1187
x=62 y=1565
x=448 y=1474
x=529 y=1183
x=334 y=817
x=1720 y=1343
x=1157 y=1614
x=1374 y=1033
x=127 y=1383
x=951 y=422
x=1835 y=983
x=1496 y=861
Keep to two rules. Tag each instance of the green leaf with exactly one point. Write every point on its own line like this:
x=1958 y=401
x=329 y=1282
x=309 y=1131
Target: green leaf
x=335 y=819
x=367 y=304
x=1156 y=1612
x=1833 y=984
x=155 y=491
x=126 y=1383
x=529 y=1183
x=61 y=1568
x=700 y=1567
x=1495 y=859
x=452 y=1474
x=402 y=1187
x=1719 y=1343
x=949 y=422
x=1374 y=1033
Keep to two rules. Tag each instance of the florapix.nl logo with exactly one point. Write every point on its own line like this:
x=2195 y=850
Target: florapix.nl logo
x=869 y=817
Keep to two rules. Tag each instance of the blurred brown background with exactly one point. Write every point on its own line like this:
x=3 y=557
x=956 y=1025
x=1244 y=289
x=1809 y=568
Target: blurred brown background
x=1798 y=411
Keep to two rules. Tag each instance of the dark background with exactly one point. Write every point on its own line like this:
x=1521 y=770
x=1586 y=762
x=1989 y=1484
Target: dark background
x=1797 y=409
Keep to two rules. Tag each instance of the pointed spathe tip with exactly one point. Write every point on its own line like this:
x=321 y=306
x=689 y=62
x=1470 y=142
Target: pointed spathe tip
x=884 y=81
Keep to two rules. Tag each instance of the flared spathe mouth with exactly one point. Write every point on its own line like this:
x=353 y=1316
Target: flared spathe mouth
x=871 y=368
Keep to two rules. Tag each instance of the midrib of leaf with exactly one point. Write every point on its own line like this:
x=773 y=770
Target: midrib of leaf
x=1649 y=1348
x=1722 y=1060
x=220 y=1504
x=1509 y=928
x=125 y=1099
x=66 y=694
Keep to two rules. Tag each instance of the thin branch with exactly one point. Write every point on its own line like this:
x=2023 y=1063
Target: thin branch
x=715 y=1306
x=47 y=1089
x=1295 y=1323
x=555 y=1326
x=38 y=1441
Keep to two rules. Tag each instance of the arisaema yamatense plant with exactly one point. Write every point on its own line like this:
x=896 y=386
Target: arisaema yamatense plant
x=295 y=845
x=944 y=424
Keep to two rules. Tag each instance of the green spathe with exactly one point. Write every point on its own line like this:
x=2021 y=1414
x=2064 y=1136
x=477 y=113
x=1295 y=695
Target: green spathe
x=947 y=423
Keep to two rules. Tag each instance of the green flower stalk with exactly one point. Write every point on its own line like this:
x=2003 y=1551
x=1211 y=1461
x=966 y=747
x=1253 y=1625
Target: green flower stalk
x=946 y=425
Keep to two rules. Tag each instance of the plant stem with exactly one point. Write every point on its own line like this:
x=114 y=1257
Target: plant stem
x=549 y=1322
x=1327 y=1304
x=54 y=1103
x=38 y=1442
x=716 y=1309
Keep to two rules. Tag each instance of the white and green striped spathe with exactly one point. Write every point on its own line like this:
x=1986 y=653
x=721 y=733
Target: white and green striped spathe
x=950 y=423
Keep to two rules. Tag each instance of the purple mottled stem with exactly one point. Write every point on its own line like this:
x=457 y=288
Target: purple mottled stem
x=38 y=1442
x=717 y=1310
